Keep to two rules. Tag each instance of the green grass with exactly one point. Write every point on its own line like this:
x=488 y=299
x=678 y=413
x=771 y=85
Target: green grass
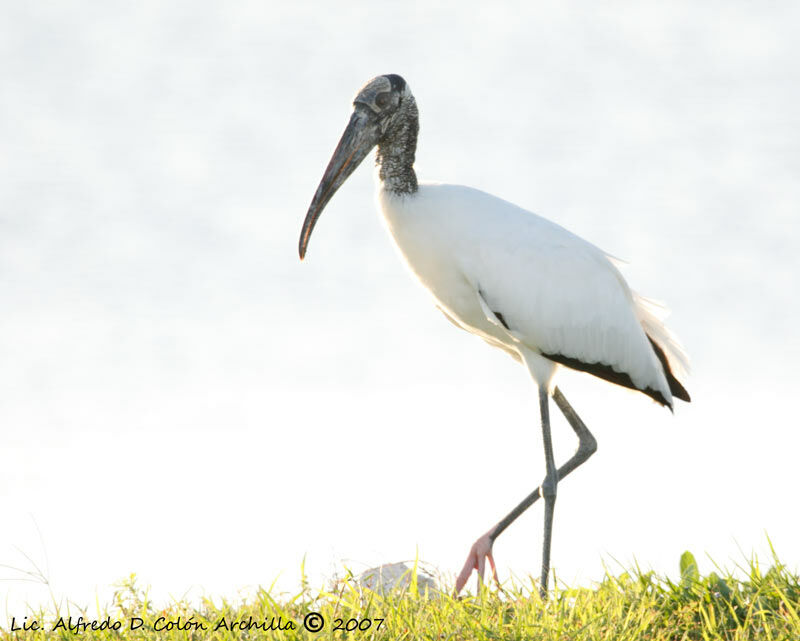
x=749 y=604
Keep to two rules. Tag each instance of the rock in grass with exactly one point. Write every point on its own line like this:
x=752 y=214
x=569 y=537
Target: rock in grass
x=390 y=576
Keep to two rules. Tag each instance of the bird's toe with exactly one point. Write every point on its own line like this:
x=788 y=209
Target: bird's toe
x=480 y=551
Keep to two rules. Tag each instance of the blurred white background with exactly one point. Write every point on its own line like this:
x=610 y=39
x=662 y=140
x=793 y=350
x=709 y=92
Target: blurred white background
x=180 y=397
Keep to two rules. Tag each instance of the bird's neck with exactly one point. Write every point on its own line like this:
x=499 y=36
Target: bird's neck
x=395 y=156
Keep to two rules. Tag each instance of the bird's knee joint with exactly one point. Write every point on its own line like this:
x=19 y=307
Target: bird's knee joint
x=549 y=487
x=588 y=446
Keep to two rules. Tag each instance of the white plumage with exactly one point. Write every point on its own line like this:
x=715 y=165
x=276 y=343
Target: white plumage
x=557 y=293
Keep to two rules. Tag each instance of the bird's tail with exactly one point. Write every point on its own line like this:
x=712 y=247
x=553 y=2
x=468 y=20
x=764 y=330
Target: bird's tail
x=651 y=315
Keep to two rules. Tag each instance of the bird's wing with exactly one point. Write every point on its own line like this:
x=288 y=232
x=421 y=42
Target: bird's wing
x=563 y=298
x=536 y=283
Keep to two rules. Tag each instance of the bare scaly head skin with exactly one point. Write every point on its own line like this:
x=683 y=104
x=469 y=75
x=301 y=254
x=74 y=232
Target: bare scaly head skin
x=384 y=114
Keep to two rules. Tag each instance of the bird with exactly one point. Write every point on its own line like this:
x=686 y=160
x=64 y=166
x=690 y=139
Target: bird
x=522 y=283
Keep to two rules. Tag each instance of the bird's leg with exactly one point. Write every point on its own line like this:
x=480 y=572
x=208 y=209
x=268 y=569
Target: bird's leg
x=587 y=444
x=482 y=548
x=549 y=487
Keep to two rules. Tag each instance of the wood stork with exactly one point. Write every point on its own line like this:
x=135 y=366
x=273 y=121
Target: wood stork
x=519 y=281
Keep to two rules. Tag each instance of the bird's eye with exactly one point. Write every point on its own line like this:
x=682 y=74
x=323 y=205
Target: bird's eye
x=383 y=99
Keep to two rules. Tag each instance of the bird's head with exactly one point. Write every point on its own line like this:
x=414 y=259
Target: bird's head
x=379 y=109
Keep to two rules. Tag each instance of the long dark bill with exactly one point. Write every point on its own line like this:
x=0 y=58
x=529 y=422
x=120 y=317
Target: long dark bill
x=358 y=139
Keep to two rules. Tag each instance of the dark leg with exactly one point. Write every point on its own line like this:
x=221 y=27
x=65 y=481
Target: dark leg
x=549 y=487
x=587 y=445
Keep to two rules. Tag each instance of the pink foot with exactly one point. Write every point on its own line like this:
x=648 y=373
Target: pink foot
x=476 y=560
